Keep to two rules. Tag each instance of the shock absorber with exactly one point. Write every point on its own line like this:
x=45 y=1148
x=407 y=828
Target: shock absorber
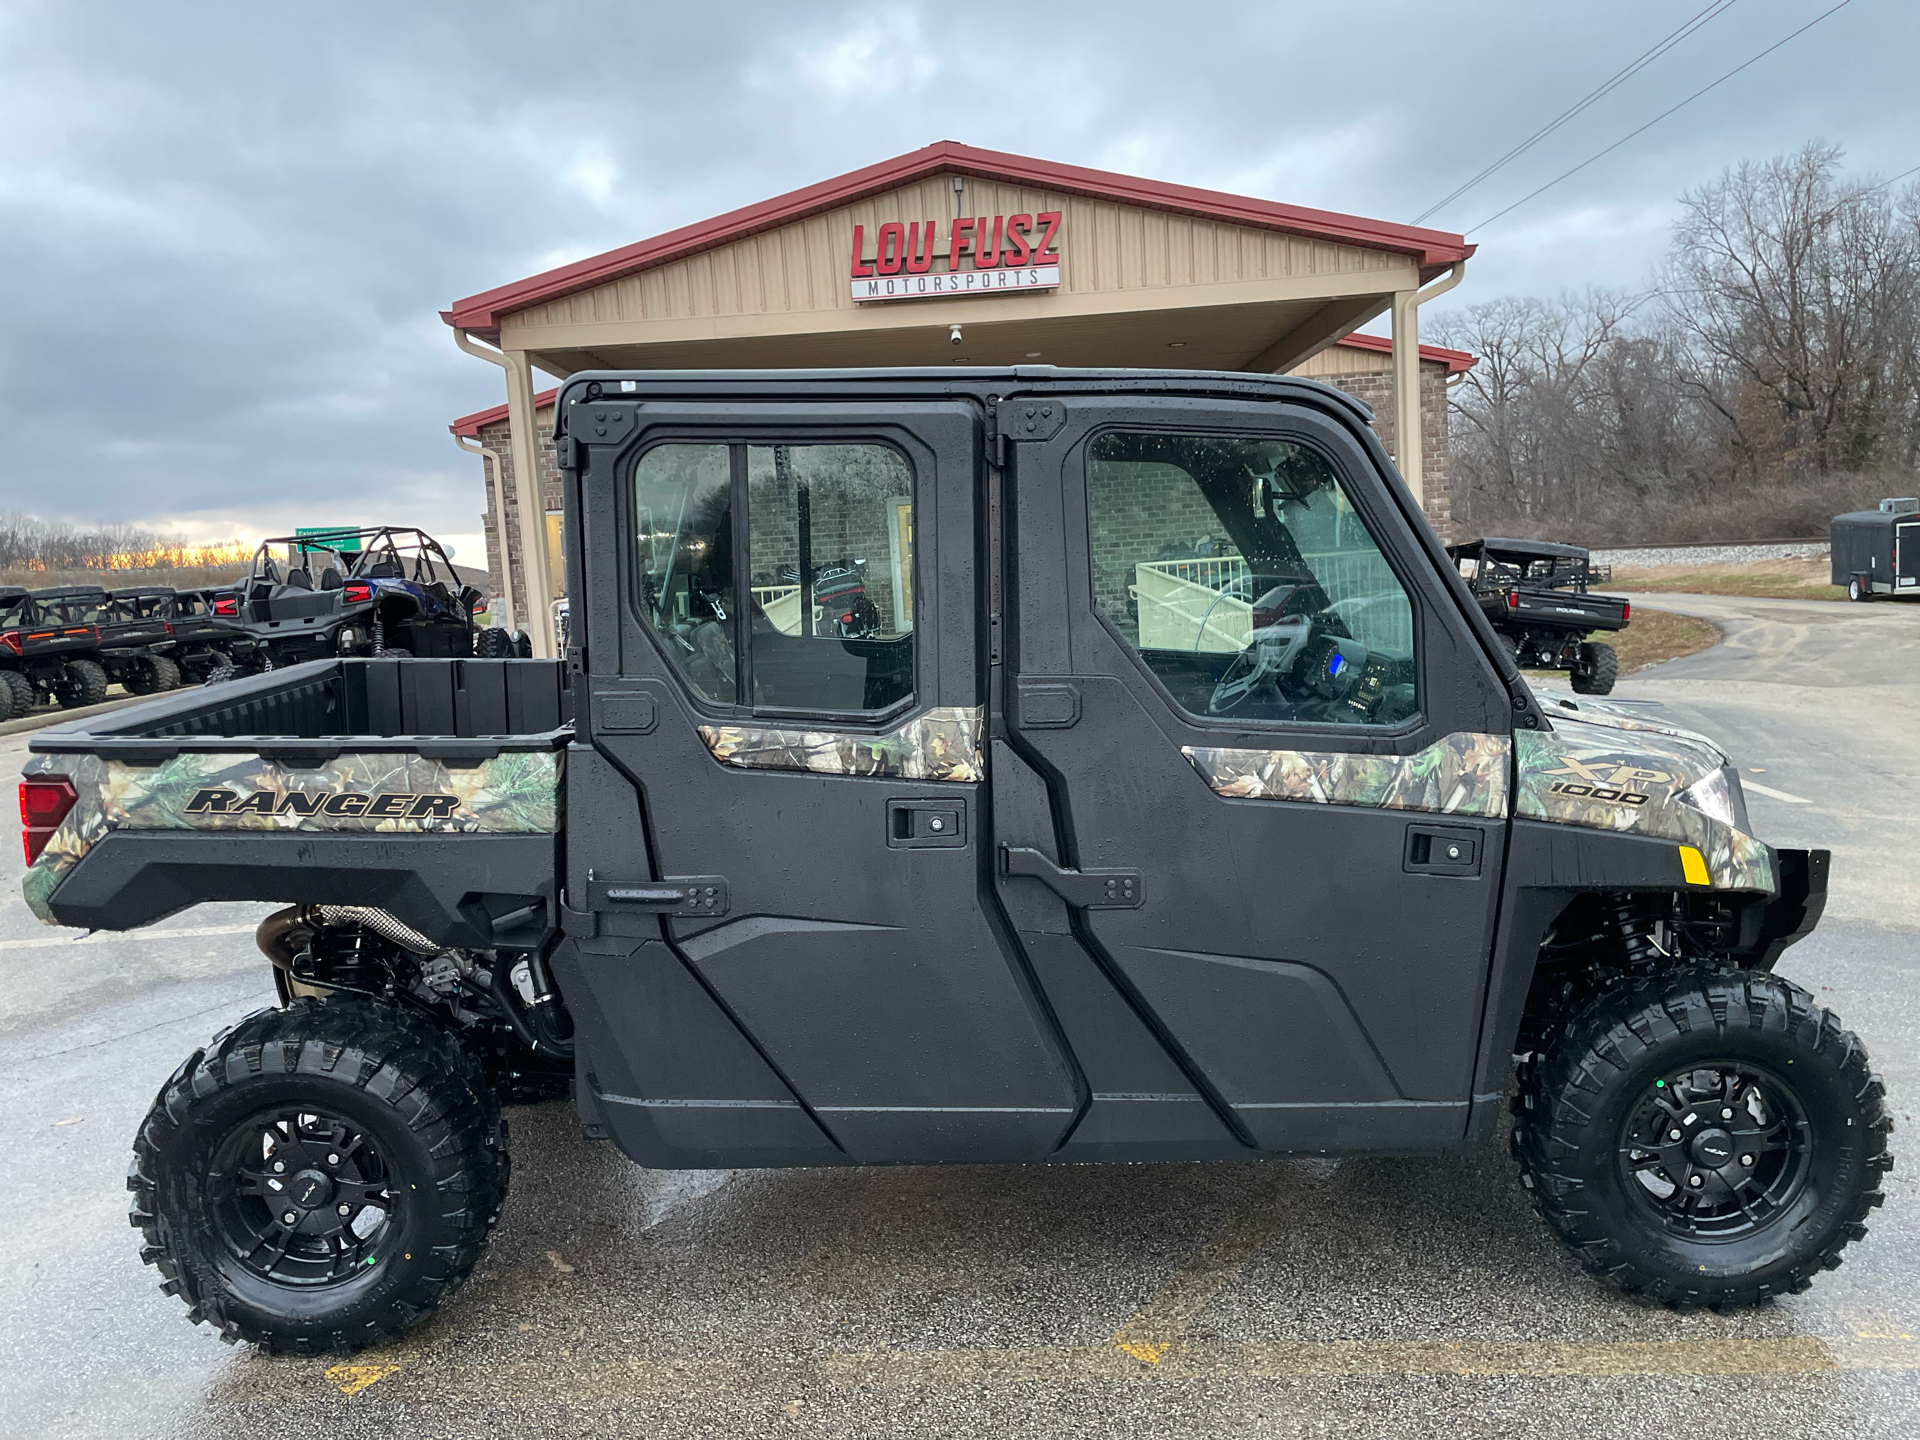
x=1636 y=944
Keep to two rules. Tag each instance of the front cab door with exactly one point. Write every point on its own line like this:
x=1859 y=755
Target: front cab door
x=1268 y=735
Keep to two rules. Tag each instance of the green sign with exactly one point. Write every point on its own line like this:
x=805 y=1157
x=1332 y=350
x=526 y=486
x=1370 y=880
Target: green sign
x=347 y=543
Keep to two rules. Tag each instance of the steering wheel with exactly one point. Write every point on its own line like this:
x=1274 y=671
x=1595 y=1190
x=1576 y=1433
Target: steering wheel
x=1271 y=655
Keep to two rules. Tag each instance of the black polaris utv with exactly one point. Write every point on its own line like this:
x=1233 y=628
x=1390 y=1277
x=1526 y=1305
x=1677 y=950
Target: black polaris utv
x=45 y=657
x=382 y=591
x=1534 y=592
x=135 y=638
x=210 y=644
x=1285 y=859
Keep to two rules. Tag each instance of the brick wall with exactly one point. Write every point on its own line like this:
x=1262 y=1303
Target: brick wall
x=496 y=439
x=1377 y=391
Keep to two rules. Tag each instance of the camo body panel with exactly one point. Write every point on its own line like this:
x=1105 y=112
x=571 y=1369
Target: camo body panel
x=517 y=793
x=1638 y=759
x=1464 y=774
x=941 y=744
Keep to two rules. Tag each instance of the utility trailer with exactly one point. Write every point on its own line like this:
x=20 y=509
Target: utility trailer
x=1877 y=552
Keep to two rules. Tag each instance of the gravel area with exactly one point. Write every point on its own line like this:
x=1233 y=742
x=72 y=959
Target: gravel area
x=1710 y=555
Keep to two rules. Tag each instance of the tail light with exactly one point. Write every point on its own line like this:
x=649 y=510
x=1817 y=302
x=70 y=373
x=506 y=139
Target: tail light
x=11 y=641
x=169 y=626
x=847 y=619
x=226 y=605
x=1513 y=599
x=1626 y=609
x=359 y=592
x=43 y=805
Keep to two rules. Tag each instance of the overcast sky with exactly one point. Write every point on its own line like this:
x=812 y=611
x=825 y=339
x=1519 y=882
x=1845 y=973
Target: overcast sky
x=226 y=231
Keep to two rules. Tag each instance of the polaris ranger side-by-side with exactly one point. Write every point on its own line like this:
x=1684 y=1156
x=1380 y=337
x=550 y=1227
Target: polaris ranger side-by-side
x=44 y=657
x=1081 y=854
x=1534 y=593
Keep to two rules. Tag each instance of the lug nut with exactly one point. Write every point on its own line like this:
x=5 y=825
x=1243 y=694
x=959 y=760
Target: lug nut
x=335 y=1159
x=1747 y=1160
x=291 y=1218
x=1726 y=1114
x=1696 y=1181
x=1673 y=1134
x=346 y=1209
x=278 y=1166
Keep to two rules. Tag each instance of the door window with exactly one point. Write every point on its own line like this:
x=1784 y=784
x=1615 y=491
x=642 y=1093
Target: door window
x=825 y=617
x=1240 y=573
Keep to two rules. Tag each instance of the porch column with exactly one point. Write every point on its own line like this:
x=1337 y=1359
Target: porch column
x=1407 y=442
x=536 y=581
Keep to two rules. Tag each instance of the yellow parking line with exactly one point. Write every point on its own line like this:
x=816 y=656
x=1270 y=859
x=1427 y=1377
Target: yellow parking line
x=662 y=1377
x=1151 y=1332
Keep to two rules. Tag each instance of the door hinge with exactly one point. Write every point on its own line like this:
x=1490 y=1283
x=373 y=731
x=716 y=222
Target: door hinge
x=1083 y=889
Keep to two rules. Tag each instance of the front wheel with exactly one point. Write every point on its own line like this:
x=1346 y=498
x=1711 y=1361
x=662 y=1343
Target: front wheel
x=1704 y=1138
x=320 y=1177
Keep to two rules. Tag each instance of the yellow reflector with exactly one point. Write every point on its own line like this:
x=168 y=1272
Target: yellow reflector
x=1694 y=865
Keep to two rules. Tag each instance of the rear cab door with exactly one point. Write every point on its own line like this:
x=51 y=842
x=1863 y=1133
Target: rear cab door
x=1245 y=714
x=779 y=886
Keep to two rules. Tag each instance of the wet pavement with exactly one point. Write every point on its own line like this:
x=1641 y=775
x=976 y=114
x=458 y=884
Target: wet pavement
x=1404 y=1297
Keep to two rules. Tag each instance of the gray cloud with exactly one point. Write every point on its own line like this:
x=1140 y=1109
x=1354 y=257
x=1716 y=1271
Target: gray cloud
x=225 y=231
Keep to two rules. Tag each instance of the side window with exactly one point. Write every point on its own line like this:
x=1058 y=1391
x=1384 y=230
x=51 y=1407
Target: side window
x=683 y=532
x=827 y=546
x=1242 y=576
x=831 y=555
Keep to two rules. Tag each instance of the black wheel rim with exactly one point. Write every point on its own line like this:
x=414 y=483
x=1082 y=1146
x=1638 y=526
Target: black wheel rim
x=303 y=1198
x=1718 y=1151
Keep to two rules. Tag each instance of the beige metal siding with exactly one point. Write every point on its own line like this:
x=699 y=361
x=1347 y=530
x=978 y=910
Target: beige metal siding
x=803 y=267
x=1344 y=360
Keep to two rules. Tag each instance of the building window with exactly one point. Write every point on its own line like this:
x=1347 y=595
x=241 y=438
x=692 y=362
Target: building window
x=1242 y=576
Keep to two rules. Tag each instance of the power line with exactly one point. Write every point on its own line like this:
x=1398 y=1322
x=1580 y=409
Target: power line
x=1658 y=118
x=1713 y=11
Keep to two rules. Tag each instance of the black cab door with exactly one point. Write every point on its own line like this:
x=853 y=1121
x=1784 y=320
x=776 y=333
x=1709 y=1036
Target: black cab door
x=779 y=876
x=1251 y=805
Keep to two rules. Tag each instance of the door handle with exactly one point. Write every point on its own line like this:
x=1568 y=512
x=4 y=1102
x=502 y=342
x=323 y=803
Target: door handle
x=1442 y=850
x=1083 y=889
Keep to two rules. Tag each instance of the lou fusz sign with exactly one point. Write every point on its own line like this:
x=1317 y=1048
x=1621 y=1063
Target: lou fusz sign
x=1004 y=254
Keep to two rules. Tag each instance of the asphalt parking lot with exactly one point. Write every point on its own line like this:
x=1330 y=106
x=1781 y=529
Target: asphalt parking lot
x=1355 y=1298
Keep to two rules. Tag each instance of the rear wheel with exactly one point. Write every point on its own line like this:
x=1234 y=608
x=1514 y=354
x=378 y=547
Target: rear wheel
x=1704 y=1138
x=81 y=682
x=1858 y=589
x=321 y=1176
x=16 y=694
x=493 y=643
x=164 y=674
x=1596 y=671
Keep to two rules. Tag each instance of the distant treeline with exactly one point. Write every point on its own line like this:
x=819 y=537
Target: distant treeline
x=30 y=545
x=1769 y=377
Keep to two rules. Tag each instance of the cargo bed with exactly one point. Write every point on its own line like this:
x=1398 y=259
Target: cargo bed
x=431 y=788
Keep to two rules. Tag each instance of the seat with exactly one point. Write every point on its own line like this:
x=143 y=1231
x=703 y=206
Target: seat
x=331 y=578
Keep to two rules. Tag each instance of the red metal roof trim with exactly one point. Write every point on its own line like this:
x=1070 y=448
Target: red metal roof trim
x=474 y=423
x=1454 y=360
x=481 y=313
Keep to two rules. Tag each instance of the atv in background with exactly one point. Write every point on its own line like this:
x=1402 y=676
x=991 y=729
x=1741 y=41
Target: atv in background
x=309 y=597
x=137 y=641
x=134 y=639
x=211 y=645
x=43 y=657
x=1535 y=594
